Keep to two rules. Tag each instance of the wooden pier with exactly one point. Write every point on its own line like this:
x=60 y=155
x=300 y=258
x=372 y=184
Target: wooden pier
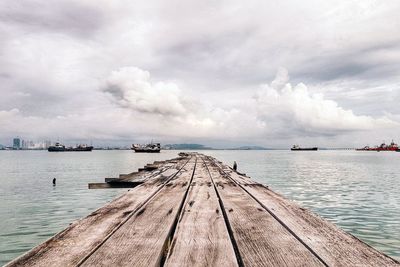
x=196 y=211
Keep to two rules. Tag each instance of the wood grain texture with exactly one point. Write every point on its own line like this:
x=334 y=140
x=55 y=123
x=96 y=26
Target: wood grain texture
x=145 y=174
x=201 y=238
x=261 y=240
x=141 y=240
x=332 y=244
x=68 y=247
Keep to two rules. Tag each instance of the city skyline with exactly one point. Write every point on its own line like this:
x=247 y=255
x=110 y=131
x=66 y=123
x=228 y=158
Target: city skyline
x=18 y=143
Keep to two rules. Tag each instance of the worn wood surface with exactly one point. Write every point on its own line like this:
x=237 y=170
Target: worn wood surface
x=201 y=238
x=261 y=240
x=68 y=247
x=196 y=211
x=146 y=233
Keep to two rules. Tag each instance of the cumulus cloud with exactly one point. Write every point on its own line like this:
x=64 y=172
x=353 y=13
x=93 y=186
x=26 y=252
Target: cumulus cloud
x=163 y=103
x=131 y=106
x=293 y=109
x=131 y=87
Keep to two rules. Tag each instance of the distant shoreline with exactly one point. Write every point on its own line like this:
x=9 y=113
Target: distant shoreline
x=195 y=149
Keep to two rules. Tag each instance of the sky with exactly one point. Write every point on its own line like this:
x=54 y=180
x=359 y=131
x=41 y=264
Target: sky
x=219 y=73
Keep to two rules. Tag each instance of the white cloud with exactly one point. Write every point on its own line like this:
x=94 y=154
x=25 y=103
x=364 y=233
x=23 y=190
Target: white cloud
x=131 y=87
x=285 y=108
x=131 y=106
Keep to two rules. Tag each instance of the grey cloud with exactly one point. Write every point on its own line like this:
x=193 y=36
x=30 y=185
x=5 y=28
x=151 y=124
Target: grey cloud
x=352 y=64
x=72 y=17
x=312 y=45
x=114 y=91
x=5 y=76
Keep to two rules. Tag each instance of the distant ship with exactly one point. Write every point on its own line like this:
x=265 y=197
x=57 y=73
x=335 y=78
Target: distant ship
x=80 y=148
x=58 y=147
x=297 y=148
x=147 y=148
x=383 y=147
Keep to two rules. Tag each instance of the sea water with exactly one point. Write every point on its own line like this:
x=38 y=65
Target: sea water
x=358 y=191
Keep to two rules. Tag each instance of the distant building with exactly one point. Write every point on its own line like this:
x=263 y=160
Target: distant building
x=24 y=144
x=17 y=143
x=47 y=143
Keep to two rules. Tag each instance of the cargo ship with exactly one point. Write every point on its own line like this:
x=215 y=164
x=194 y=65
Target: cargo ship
x=147 y=148
x=383 y=147
x=58 y=147
x=297 y=148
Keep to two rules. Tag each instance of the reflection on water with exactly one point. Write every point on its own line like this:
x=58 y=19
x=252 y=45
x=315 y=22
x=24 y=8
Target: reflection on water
x=356 y=190
x=32 y=209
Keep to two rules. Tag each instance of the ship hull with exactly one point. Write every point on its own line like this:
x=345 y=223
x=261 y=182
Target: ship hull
x=305 y=149
x=378 y=149
x=146 y=150
x=85 y=149
x=56 y=149
x=59 y=149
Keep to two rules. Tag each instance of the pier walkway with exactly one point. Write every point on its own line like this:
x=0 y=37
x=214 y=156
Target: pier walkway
x=196 y=211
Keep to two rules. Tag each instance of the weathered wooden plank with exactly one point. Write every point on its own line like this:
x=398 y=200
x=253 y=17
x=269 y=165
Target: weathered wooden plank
x=332 y=244
x=106 y=180
x=261 y=240
x=135 y=178
x=145 y=173
x=114 y=185
x=149 y=170
x=142 y=240
x=201 y=238
x=68 y=247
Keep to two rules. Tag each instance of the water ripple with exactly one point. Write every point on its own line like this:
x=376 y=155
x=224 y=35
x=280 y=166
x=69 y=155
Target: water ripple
x=357 y=191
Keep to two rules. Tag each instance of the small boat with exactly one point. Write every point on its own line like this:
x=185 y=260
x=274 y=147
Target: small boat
x=147 y=148
x=58 y=147
x=297 y=148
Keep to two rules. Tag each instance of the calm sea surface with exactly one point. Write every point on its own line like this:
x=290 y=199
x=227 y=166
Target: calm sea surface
x=359 y=191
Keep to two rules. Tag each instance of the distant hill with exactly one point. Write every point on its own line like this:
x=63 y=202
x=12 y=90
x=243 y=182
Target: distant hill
x=202 y=147
x=186 y=147
x=250 y=148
